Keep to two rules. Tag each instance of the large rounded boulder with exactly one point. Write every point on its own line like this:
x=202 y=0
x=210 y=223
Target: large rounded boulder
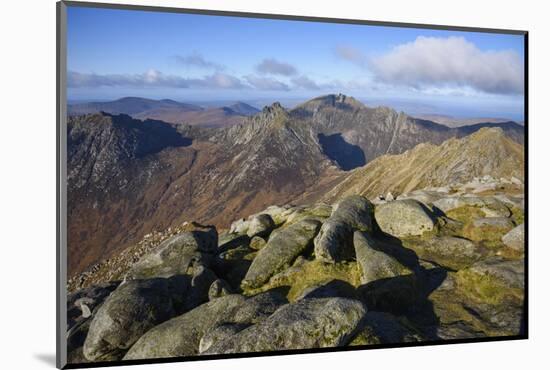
x=129 y=312
x=181 y=335
x=308 y=323
x=402 y=218
x=284 y=245
x=178 y=254
x=335 y=240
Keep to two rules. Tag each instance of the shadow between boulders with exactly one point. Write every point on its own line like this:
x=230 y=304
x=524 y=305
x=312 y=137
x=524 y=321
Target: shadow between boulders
x=405 y=295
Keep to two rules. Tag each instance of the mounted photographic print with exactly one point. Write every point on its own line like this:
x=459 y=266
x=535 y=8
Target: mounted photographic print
x=236 y=184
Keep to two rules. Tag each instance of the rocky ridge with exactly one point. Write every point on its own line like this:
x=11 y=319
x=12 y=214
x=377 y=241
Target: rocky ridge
x=128 y=177
x=455 y=163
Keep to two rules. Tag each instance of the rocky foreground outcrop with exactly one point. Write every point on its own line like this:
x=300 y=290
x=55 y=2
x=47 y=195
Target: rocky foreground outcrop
x=432 y=264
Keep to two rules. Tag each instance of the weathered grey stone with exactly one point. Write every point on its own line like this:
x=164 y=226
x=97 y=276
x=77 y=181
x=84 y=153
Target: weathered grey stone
x=489 y=205
x=239 y=227
x=219 y=334
x=448 y=251
x=356 y=211
x=510 y=273
x=84 y=304
x=279 y=214
x=281 y=250
x=218 y=289
x=515 y=238
x=334 y=242
x=257 y=308
x=375 y=264
x=130 y=311
x=403 y=218
x=260 y=225
x=178 y=254
x=308 y=323
x=181 y=335
x=257 y=243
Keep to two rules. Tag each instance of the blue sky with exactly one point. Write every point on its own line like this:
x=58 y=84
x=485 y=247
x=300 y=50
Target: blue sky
x=116 y=53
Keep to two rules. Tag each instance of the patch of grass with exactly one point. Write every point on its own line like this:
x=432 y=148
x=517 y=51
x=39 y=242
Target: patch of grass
x=311 y=273
x=490 y=236
x=485 y=288
x=518 y=215
x=466 y=214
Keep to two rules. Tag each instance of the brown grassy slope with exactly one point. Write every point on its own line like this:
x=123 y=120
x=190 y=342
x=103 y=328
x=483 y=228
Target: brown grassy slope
x=486 y=152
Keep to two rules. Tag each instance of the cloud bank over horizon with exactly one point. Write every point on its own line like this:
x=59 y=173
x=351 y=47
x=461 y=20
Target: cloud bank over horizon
x=445 y=66
x=431 y=62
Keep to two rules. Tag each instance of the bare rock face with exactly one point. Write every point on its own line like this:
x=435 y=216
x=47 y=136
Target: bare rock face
x=308 y=323
x=281 y=250
x=403 y=218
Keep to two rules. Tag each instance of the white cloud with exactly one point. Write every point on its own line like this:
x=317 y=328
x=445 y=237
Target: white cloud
x=305 y=82
x=197 y=60
x=151 y=78
x=351 y=54
x=218 y=80
x=265 y=83
x=275 y=67
x=447 y=63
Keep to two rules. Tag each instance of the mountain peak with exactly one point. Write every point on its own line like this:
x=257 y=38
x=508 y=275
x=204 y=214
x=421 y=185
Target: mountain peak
x=488 y=132
x=270 y=112
x=340 y=101
x=276 y=106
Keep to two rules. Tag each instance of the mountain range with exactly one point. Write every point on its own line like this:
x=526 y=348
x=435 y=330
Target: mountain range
x=130 y=174
x=169 y=111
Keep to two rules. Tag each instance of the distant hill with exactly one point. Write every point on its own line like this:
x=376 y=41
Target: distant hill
x=130 y=106
x=168 y=111
x=450 y=121
x=243 y=108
